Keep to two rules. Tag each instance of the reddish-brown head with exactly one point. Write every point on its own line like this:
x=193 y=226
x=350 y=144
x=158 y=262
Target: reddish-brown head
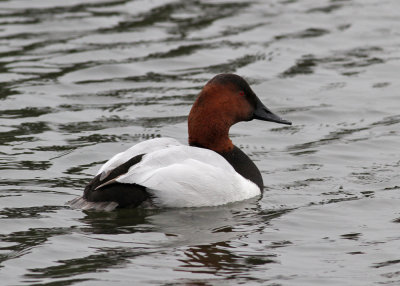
x=225 y=100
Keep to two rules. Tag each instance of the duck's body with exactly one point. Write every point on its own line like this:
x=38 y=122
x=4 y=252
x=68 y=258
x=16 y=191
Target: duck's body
x=210 y=171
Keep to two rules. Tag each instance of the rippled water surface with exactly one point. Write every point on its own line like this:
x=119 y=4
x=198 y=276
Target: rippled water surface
x=83 y=80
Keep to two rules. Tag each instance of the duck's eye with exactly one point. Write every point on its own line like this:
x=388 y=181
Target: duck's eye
x=241 y=93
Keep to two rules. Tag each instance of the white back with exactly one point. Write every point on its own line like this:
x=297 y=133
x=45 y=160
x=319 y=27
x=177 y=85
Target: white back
x=140 y=148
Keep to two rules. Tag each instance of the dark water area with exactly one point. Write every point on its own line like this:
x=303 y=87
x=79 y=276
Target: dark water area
x=83 y=80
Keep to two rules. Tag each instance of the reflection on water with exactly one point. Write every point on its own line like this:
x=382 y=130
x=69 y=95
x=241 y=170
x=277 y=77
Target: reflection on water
x=83 y=81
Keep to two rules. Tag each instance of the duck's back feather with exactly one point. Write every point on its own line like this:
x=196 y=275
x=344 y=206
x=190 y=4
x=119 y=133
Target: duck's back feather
x=140 y=148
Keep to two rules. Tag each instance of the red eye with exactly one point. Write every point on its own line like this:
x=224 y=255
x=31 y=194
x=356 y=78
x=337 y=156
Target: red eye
x=241 y=93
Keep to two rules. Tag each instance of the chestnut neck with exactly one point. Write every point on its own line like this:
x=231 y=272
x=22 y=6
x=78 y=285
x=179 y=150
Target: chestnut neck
x=208 y=126
x=216 y=140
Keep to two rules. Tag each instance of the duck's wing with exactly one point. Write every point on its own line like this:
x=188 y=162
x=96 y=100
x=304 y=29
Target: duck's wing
x=105 y=193
x=185 y=176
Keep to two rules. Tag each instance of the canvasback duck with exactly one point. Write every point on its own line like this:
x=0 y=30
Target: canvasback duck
x=210 y=171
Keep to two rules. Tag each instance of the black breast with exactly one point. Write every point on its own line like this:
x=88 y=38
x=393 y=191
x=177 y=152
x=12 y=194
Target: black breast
x=244 y=166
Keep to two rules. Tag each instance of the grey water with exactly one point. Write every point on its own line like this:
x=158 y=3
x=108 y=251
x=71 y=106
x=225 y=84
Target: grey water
x=83 y=80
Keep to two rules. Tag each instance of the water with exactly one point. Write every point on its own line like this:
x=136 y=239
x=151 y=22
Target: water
x=82 y=80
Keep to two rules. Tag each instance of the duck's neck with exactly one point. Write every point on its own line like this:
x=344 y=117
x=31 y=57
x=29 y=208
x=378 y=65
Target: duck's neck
x=207 y=127
x=208 y=136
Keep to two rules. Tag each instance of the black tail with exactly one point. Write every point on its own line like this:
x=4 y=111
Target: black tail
x=104 y=189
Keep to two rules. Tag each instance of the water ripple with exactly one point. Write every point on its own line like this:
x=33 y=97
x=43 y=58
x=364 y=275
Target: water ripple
x=83 y=81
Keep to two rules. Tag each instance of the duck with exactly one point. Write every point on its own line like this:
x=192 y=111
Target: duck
x=209 y=171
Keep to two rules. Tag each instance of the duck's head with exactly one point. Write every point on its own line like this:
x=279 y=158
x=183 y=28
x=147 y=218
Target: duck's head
x=225 y=100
